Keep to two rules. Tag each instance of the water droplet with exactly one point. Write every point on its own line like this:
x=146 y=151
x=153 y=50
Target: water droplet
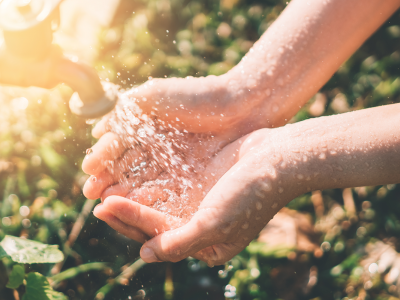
x=89 y=151
x=199 y=186
x=265 y=186
x=135 y=169
x=161 y=136
x=90 y=121
x=133 y=184
x=280 y=190
x=260 y=194
x=135 y=121
x=373 y=268
x=326 y=246
x=226 y=230
x=94 y=179
x=141 y=132
x=142 y=164
x=230 y=292
x=258 y=205
x=185 y=167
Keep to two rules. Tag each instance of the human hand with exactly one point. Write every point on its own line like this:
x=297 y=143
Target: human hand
x=248 y=192
x=222 y=105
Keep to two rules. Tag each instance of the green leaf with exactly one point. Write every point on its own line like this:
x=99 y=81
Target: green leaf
x=30 y=252
x=16 y=277
x=2 y=253
x=38 y=288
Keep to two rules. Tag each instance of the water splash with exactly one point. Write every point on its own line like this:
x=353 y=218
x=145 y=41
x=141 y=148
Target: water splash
x=161 y=165
x=224 y=273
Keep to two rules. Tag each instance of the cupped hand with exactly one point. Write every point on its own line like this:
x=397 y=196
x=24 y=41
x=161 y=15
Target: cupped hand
x=241 y=190
x=212 y=104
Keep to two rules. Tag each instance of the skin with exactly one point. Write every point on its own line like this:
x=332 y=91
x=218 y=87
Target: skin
x=272 y=167
x=289 y=64
x=291 y=61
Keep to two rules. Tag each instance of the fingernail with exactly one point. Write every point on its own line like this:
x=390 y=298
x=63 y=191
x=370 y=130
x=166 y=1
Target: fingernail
x=96 y=208
x=148 y=255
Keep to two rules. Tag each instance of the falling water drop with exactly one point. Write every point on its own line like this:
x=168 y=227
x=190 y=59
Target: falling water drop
x=141 y=132
x=90 y=121
x=161 y=136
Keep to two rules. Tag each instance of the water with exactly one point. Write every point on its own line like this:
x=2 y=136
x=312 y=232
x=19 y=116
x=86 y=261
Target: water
x=224 y=273
x=162 y=166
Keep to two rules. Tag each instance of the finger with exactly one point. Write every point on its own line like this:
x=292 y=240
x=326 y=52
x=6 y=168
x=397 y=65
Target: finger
x=128 y=231
x=133 y=214
x=100 y=128
x=125 y=170
x=108 y=148
x=174 y=245
x=95 y=185
x=121 y=178
x=116 y=190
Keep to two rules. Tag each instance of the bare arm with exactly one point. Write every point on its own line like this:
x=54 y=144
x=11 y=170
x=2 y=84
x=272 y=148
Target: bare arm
x=273 y=167
x=301 y=50
x=292 y=60
x=353 y=149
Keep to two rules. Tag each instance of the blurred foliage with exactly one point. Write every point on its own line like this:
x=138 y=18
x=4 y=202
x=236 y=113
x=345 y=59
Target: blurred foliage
x=351 y=236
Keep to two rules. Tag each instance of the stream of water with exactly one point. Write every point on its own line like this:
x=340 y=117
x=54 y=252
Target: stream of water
x=162 y=167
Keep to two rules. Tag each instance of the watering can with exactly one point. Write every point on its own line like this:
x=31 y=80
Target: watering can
x=29 y=58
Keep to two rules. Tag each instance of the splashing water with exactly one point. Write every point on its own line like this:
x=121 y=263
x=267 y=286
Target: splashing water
x=224 y=273
x=162 y=164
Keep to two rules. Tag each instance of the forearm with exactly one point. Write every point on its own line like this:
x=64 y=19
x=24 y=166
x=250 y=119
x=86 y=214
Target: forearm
x=298 y=54
x=292 y=60
x=353 y=149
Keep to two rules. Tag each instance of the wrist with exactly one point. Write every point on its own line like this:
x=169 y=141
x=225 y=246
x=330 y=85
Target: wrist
x=272 y=180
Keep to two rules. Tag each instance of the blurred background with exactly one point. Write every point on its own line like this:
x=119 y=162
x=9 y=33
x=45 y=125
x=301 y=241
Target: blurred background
x=333 y=244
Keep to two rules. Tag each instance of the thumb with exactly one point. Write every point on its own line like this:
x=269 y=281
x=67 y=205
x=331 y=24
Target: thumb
x=177 y=244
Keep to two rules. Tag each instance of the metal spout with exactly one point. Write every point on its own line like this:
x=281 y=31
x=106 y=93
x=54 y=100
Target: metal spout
x=28 y=57
x=90 y=100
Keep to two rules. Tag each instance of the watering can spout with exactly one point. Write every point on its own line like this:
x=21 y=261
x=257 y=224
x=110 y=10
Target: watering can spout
x=28 y=57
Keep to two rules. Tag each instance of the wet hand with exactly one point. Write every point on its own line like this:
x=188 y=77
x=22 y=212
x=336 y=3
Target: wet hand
x=245 y=190
x=212 y=104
